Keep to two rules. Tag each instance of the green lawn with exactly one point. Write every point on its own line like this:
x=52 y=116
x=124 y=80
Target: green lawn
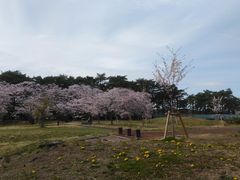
x=13 y=138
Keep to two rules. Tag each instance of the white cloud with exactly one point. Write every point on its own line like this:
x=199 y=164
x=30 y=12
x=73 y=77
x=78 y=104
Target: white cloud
x=118 y=37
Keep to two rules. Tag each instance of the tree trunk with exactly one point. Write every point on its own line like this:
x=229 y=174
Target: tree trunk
x=143 y=122
x=116 y=117
x=111 y=118
x=129 y=117
x=42 y=122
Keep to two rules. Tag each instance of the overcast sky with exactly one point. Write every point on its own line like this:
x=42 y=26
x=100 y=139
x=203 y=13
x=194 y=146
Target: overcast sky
x=122 y=37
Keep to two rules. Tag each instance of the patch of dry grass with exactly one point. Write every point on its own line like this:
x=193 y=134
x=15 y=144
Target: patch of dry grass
x=83 y=154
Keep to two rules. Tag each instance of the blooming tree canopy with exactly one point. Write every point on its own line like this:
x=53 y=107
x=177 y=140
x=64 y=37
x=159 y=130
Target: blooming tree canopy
x=48 y=101
x=170 y=73
x=217 y=104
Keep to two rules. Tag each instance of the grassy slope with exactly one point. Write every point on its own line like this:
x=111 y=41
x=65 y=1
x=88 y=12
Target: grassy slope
x=203 y=157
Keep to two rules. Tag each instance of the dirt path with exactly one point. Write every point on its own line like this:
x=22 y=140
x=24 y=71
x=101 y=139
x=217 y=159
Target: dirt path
x=111 y=139
x=201 y=130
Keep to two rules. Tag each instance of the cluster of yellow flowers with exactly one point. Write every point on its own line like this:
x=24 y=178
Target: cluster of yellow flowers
x=160 y=152
x=120 y=154
x=193 y=148
x=189 y=144
x=137 y=158
x=146 y=154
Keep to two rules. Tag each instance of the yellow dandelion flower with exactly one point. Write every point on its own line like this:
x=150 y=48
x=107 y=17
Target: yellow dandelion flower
x=159 y=150
x=125 y=159
x=146 y=155
x=137 y=158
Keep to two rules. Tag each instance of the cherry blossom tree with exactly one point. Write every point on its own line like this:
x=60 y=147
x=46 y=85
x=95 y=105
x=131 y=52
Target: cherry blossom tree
x=41 y=102
x=80 y=91
x=82 y=101
x=83 y=107
x=26 y=96
x=5 y=98
x=218 y=106
x=124 y=103
x=170 y=73
x=42 y=110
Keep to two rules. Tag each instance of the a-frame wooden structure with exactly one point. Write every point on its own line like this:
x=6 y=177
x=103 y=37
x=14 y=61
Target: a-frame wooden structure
x=171 y=116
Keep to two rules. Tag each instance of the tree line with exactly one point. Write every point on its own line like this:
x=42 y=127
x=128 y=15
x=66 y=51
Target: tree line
x=198 y=103
x=37 y=103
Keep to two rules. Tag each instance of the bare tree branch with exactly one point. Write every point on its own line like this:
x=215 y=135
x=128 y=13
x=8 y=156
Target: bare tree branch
x=172 y=70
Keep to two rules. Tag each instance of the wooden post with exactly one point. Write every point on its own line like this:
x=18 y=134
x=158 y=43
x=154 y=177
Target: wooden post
x=174 y=117
x=166 y=125
x=138 y=133
x=129 y=132
x=173 y=128
x=120 y=131
x=185 y=131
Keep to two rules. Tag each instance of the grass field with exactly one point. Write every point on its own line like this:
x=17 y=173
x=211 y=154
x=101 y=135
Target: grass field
x=73 y=151
x=156 y=124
